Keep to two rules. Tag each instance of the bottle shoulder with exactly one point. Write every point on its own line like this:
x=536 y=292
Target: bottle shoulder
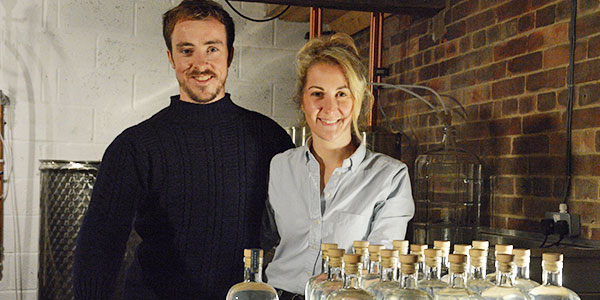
x=457 y=294
x=351 y=293
x=503 y=292
x=407 y=294
x=544 y=292
x=251 y=290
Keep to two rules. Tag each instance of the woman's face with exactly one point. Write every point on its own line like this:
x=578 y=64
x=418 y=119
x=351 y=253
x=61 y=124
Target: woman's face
x=327 y=104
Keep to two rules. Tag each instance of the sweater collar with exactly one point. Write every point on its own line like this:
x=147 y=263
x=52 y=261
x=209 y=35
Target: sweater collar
x=217 y=111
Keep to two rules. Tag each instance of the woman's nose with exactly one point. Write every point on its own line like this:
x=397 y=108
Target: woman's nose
x=329 y=103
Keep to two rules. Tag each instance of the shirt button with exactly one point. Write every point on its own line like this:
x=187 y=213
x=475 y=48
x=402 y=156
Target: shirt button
x=327 y=195
x=316 y=221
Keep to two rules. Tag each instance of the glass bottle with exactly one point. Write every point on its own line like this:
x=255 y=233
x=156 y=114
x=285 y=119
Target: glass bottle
x=252 y=288
x=401 y=246
x=362 y=248
x=374 y=266
x=445 y=247
x=335 y=279
x=419 y=251
x=464 y=250
x=551 y=288
x=458 y=280
x=499 y=249
x=431 y=283
x=522 y=281
x=504 y=288
x=313 y=281
x=387 y=279
x=476 y=281
x=408 y=288
x=352 y=281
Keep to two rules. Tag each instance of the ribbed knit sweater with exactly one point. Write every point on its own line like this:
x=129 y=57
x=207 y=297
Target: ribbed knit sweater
x=194 y=178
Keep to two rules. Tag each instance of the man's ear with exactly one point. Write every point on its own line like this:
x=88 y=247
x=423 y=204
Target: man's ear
x=230 y=56
x=171 y=59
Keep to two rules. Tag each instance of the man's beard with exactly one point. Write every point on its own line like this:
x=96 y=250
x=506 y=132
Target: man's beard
x=197 y=97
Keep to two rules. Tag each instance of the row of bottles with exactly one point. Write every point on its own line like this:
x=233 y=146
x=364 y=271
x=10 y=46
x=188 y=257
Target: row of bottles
x=375 y=273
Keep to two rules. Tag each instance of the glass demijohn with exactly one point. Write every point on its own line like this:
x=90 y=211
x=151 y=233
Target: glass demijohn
x=551 y=288
x=504 y=288
x=460 y=249
x=335 y=279
x=419 y=251
x=522 y=281
x=387 y=279
x=476 y=281
x=313 y=281
x=499 y=249
x=352 y=289
x=252 y=288
x=374 y=266
x=432 y=283
x=458 y=280
x=409 y=287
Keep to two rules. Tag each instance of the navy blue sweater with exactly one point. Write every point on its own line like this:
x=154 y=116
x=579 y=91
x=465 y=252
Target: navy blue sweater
x=194 y=178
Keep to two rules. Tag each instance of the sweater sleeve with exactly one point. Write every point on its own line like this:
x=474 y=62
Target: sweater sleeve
x=106 y=226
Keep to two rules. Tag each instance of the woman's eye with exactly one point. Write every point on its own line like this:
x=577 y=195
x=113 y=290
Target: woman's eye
x=317 y=94
x=342 y=94
x=213 y=49
x=186 y=51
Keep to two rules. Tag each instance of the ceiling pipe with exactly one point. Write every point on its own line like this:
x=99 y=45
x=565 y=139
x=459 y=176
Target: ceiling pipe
x=316 y=22
x=375 y=62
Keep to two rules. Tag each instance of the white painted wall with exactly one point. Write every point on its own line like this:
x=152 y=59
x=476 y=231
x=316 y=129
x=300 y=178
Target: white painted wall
x=78 y=72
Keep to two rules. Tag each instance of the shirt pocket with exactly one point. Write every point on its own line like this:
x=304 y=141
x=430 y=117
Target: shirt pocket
x=348 y=228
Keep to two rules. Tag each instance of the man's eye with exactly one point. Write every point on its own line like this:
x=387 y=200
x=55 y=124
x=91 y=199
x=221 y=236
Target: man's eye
x=186 y=51
x=213 y=49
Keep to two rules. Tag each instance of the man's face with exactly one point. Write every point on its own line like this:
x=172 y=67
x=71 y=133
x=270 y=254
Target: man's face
x=200 y=59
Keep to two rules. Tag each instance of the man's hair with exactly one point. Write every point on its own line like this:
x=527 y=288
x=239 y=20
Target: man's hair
x=197 y=10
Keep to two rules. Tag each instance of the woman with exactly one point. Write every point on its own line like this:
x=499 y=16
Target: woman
x=332 y=190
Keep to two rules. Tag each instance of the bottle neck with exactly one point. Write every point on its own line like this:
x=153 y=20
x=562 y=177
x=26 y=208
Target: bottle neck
x=458 y=280
x=388 y=274
x=478 y=272
x=432 y=272
x=352 y=281
x=324 y=265
x=253 y=275
x=552 y=278
x=334 y=273
x=504 y=279
x=408 y=281
x=375 y=267
x=523 y=272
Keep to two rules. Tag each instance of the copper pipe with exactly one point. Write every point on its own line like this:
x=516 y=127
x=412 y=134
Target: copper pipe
x=316 y=22
x=375 y=61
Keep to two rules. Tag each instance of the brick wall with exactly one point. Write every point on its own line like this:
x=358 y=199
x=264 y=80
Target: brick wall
x=506 y=62
x=80 y=72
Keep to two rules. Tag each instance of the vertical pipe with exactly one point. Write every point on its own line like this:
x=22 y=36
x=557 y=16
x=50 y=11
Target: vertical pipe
x=316 y=22
x=375 y=61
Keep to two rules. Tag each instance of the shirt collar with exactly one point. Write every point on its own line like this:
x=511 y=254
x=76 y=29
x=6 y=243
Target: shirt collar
x=350 y=163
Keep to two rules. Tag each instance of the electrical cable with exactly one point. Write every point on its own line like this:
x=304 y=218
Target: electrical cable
x=570 y=96
x=257 y=20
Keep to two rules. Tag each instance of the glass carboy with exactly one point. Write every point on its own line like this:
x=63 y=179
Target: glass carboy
x=460 y=249
x=504 y=288
x=448 y=188
x=522 y=281
x=252 y=288
x=387 y=279
x=445 y=247
x=313 y=281
x=362 y=248
x=476 y=281
x=374 y=266
x=335 y=279
x=408 y=288
x=432 y=283
x=551 y=288
x=499 y=249
x=458 y=280
x=419 y=251
x=352 y=289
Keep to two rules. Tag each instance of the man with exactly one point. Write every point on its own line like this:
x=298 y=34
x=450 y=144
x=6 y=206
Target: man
x=193 y=177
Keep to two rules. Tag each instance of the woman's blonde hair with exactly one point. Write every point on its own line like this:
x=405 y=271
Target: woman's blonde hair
x=338 y=49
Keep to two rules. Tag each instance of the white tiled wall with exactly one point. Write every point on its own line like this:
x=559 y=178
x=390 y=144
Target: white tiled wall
x=79 y=72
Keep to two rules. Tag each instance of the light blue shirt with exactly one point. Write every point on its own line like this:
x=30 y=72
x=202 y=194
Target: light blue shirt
x=367 y=198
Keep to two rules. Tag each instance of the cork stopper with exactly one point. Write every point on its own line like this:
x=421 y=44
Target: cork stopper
x=552 y=262
x=360 y=244
x=462 y=249
x=335 y=257
x=253 y=258
x=505 y=262
x=325 y=246
x=407 y=263
x=478 y=257
x=433 y=257
x=485 y=245
x=351 y=263
x=522 y=257
x=389 y=258
x=503 y=249
x=442 y=245
x=401 y=246
x=457 y=263
x=418 y=248
x=374 y=251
